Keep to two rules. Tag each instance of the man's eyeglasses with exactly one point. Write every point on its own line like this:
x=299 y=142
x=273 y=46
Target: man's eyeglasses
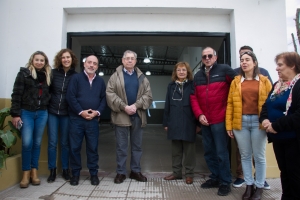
x=209 y=56
x=129 y=58
x=181 y=92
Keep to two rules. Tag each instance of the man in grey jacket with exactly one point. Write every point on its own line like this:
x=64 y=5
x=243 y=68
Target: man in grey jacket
x=128 y=94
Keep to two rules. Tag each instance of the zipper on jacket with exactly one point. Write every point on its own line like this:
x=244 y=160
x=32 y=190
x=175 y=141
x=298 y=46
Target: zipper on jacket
x=62 y=90
x=207 y=94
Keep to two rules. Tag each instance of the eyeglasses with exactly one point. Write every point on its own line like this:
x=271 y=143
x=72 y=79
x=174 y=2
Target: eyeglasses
x=181 y=92
x=181 y=70
x=129 y=58
x=209 y=56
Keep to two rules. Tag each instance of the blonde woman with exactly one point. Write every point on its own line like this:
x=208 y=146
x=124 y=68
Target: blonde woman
x=247 y=94
x=29 y=103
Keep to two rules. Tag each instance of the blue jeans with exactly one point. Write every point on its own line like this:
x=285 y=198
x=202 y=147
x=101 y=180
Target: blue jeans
x=136 y=137
x=55 y=122
x=80 y=128
x=252 y=140
x=34 y=123
x=215 y=142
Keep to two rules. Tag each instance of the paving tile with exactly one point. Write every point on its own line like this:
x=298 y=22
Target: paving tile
x=111 y=186
x=109 y=194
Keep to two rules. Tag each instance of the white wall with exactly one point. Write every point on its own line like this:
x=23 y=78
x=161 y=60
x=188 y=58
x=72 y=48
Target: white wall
x=27 y=26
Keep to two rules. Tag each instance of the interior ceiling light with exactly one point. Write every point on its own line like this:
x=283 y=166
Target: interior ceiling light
x=101 y=73
x=147 y=60
x=148 y=73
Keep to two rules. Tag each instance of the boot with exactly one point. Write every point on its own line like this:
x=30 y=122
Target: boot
x=248 y=193
x=25 y=180
x=34 y=177
x=52 y=175
x=66 y=174
x=257 y=194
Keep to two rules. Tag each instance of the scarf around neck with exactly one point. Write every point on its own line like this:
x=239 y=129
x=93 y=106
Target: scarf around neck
x=282 y=86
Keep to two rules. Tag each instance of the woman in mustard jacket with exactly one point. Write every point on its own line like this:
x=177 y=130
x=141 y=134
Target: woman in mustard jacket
x=247 y=94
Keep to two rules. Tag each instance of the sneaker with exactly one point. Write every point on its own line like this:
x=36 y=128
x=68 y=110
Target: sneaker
x=210 y=184
x=238 y=182
x=266 y=186
x=224 y=190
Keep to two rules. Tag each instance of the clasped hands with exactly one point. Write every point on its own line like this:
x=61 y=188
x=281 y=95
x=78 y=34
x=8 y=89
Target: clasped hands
x=89 y=114
x=130 y=110
x=268 y=126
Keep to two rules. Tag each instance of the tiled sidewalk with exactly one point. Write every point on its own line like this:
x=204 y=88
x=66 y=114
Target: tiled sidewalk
x=155 y=188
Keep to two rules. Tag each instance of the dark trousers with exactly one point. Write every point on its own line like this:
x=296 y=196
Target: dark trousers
x=287 y=152
x=135 y=132
x=80 y=128
x=183 y=154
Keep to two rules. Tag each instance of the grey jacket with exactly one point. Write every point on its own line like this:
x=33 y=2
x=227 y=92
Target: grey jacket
x=117 y=100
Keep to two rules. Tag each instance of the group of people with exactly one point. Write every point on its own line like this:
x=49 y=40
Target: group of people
x=71 y=103
x=241 y=104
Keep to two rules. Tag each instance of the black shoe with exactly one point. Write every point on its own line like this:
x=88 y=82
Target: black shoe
x=66 y=174
x=138 y=176
x=210 y=184
x=52 y=175
x=94 y=180
x=119 y=178
x=74 y=180
x=224 y=190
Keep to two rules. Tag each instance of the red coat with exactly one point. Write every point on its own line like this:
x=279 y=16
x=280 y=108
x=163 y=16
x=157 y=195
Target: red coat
x=210 y=93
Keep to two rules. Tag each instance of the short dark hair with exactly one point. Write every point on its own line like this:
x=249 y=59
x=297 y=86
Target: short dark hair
x=290 y=59
x=246 y=47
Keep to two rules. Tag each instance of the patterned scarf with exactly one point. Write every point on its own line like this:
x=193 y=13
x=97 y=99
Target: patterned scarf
x=180 y=84
x=282 y=87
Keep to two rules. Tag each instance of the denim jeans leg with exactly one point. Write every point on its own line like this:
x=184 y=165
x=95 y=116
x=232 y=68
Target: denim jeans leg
x=243 y=138
x=41 y=117
x=64 y=140
x=52 y=140
x=91 y=138
x=27 y=135
x=121 y=133
x=221 y=138
x=210 y=154
x=259 y=141
x=136 y=138
x=76 y=134
x=252 y=141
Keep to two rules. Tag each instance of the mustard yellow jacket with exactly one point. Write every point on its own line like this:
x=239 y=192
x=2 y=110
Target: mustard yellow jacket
x=234 y=101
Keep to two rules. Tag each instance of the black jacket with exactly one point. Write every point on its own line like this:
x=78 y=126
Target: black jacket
x=58 y=89
x=26 y=93
x=178 y=114
x=289 y=122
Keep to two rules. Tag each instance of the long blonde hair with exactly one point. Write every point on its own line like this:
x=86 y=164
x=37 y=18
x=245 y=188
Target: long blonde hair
x=46 y=67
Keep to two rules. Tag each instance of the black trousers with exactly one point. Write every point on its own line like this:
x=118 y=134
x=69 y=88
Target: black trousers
x=287 y=152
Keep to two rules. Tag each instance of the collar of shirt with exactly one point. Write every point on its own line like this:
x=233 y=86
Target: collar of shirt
x=243 y=78
x=89 y=77
x=127 y=72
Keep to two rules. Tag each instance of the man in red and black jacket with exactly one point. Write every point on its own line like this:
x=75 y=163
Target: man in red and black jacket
x=209 y=101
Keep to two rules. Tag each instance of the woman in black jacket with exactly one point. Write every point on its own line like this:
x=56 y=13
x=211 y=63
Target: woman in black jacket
x=180 y=123
x=29 y=103
x=64 y=67
x=280 y=116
